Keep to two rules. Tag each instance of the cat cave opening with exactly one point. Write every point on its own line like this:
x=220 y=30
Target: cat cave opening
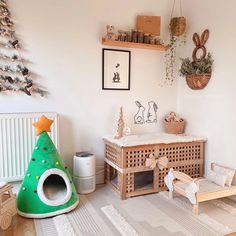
x=54 y=187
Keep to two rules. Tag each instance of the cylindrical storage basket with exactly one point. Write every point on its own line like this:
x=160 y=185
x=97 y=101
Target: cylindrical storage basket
x=174 y=127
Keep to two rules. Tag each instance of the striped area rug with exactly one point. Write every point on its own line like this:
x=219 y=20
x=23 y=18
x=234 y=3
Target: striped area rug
x=83 y=221
x=104 y=213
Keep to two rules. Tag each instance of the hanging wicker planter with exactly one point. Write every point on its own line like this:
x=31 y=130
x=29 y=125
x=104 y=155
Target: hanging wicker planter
x=177 y=26
x=198 y=72
x=198 y=81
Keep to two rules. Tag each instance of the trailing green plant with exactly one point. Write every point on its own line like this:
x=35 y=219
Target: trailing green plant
x=170 y=56
x=200 y=66
x=177 y=38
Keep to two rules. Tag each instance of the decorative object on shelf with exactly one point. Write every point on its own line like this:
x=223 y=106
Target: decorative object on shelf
x=177 y=28
x=149 y=24
x=139 y=117
x=173 y=124
x=198 y=71
x=110 y=33
x=14 y=77
x=121 y=125
x=7 y=205
x=146 y=35
x=47 y=188
x=115 y=69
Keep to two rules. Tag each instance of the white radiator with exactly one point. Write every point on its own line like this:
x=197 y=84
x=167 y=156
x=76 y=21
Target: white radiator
x=17 y=141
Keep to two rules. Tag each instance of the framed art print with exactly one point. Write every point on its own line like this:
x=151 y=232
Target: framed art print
x=115 y=69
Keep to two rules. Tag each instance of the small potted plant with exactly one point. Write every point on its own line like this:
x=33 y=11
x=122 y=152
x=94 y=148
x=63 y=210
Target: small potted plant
x=177 y=26
x=198 y=71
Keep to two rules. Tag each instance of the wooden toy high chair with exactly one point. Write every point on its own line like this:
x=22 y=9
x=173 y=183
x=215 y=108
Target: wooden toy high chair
x=7 y=205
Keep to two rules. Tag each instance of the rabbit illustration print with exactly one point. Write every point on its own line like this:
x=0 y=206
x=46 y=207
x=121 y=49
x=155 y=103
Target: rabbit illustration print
x=152 y=112
x=139 y=116
x=116 y=69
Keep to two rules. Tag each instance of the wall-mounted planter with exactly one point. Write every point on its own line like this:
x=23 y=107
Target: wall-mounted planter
x=198 y=81
x=198 y=71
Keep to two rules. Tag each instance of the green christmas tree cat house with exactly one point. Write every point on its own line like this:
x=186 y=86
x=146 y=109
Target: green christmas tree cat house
x=47 y=189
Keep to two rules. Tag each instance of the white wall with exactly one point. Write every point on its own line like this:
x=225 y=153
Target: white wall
x=211 y=111
x=62 y=40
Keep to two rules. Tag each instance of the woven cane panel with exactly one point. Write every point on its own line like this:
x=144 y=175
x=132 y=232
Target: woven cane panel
x=136 y=157
x=181 y=152
x=113 y=154
x=192 y=170
x=161 y=176
x=129 y=182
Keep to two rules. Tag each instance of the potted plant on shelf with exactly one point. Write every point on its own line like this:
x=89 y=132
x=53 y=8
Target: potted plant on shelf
x=198 y=71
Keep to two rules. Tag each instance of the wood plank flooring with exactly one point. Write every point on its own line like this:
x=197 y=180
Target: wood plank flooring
x=20 y=227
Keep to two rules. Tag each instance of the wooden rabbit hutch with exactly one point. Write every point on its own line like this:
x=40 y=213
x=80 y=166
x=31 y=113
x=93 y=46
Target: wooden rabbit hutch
x=125 y=169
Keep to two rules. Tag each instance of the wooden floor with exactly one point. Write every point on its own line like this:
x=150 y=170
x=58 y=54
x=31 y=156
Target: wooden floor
x=20 y=227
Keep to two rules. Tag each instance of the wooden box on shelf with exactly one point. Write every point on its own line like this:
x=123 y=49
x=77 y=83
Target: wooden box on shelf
x=125 y=169
x=149 y=24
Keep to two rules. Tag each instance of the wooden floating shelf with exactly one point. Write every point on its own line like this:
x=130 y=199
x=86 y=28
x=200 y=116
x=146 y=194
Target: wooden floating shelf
x=134 y=45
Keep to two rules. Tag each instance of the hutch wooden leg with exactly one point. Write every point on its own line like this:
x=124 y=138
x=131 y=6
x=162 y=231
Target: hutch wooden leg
x=123 y=186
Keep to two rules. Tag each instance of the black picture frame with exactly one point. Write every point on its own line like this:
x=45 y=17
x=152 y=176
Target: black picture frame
x=116 y=69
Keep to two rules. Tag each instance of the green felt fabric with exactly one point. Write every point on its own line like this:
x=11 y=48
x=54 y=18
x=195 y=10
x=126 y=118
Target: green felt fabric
x=44 y=157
